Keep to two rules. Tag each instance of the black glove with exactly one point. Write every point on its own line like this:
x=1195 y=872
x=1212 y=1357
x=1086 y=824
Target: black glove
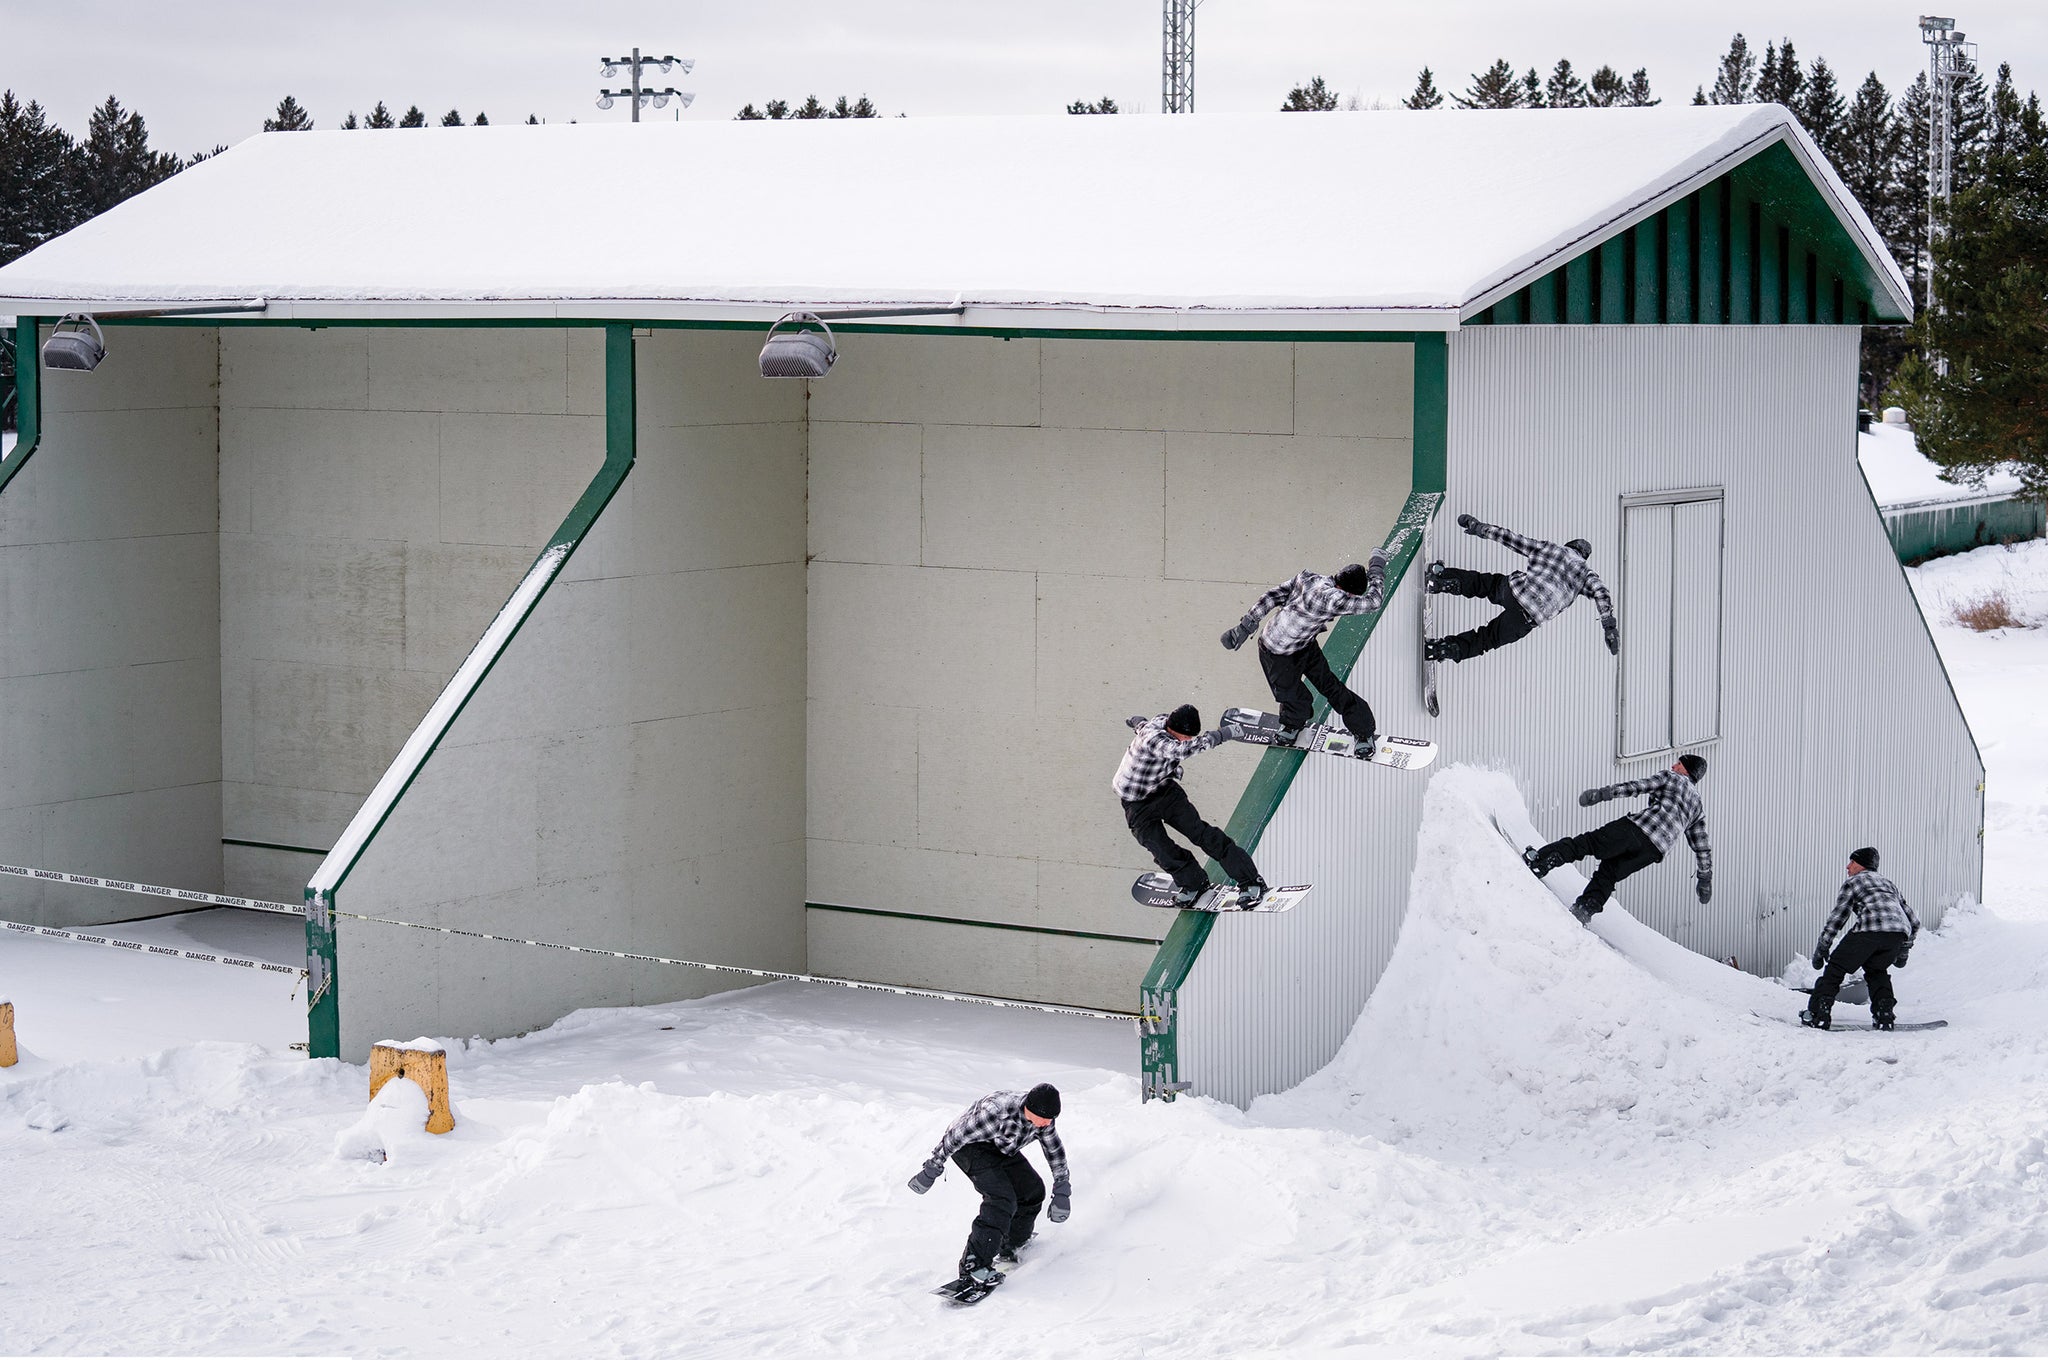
x=1062 y=1202
x=923 y=1180
x=1900 y=961
x=1704 y=886
x=1819 y=959
x=1589 y=797
x=1235 y=637
x=1467 y=522
x=1613 y=636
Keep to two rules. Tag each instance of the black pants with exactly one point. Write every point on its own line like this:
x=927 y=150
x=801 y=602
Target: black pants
x=1622 y=849
x=1168 y=805
x=1285 y=675
x=1011 y=1194
x=1510 y=625
x=1874 y=951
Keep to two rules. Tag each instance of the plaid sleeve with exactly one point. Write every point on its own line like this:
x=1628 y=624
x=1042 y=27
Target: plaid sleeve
x=1266 y=604
x=1375 y=591
x=1207 y=741
x=1509 y=538
x=1596 y=590
x=1055 y=1155
x=1845 y=901
x=975 y=1126
x=1702 y=850
x=1912 y=916
x=1627 y=788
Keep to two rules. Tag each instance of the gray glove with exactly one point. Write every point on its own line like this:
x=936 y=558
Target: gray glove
x=1613 y=636
x=1705 y=888
x=924 y=1179
x=1062 y=1201
x=1235 y=637
x=1589 y=797
x=1819 y=959
x=1468 y=522
x=1378 y=561
x=1900 y=961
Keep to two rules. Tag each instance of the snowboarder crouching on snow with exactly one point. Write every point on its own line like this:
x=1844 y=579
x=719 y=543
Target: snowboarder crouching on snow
x=1148 y=782
x=1635 y=842
x=1289 y=654
x=1556 y=576
x=1882 y=928
x=987 y=1143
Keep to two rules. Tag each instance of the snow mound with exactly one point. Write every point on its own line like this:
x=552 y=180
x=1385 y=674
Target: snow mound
x=395 y=1121
x=1504 y=1028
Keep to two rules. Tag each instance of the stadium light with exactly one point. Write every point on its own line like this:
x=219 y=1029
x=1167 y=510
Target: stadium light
x=611 y=66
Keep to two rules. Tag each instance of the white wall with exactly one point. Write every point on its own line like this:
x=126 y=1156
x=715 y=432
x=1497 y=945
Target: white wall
x=109 y=633
x=630 y=775
x=1016 y=544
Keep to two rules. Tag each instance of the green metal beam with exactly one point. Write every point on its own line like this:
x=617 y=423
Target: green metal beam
x=28 y=395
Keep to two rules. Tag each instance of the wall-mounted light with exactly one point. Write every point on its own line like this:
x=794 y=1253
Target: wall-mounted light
x=803 y=352
x=78 y=344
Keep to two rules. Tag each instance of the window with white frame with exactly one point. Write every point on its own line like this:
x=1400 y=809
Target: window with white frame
x=1670 y=610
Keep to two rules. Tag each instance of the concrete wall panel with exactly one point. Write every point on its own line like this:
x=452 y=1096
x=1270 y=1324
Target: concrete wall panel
x=1009 y=499
x=1169 y=385
x=1258 y=508
x=942 y=380
x=295 y=370
x=1060 y=969
x=864 y=492
x=507 y=479
x=1361 y=391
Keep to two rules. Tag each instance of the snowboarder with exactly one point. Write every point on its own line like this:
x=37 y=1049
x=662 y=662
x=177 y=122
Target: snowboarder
x=1556 y=576
x=987 y=1143
x=1635 y=842
x=1289 y=653
x=1148 y=782
x=1882 y=928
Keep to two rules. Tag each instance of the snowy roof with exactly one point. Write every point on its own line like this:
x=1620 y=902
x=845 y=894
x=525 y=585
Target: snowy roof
x=1901 y=476
x=1216 y=221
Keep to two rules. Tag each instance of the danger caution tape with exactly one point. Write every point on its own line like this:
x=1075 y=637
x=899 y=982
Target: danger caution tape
x=160 y=950
x=151 y=890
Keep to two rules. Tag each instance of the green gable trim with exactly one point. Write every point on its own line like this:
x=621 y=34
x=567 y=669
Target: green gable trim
x=1759 y=246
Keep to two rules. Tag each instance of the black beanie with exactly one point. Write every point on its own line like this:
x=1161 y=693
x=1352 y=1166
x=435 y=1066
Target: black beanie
x=1043 y=1101
x=1581 y=547
x=1352 y=579
x=1695 y=766
x=1867 y=857
x=1187 y=721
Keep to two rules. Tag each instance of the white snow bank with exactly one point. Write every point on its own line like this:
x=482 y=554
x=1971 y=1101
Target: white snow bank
x=1901 y=475
x=395 y=1121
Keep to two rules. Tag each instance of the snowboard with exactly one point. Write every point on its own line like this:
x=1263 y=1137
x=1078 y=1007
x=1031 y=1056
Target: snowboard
x=1263 y=729
x=965 y=1293
x=1427 y=556
x=1900 y=1028
x=1516 y=846
x=1157 y=890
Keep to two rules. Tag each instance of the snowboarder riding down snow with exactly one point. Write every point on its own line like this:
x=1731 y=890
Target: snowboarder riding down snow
x=987 y=1143
x=1629 y=844
x=1880 y=936
x=1556 y=576
x=1148 y=782
x=1288 y=652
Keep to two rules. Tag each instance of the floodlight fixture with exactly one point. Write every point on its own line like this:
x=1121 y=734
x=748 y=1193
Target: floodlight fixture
x=634 y=65
x=808 y=349
x=604 y=99
x=77 y=343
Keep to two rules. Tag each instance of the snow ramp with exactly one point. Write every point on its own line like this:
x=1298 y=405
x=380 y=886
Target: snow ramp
x=1503 y=1026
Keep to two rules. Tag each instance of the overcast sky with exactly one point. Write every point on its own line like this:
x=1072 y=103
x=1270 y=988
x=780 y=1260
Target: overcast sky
x=209 y=71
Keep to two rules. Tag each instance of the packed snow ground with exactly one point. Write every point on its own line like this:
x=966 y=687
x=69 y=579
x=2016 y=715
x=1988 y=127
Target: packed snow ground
x=1539 y=1140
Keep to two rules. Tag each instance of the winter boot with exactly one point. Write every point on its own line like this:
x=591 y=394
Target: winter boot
x=1539 y=863
x=1185 y=897
x=1438 y=649
x=1882 y=1019
x=1249 y=895
x=1818 y=1014
x=1432 y=578
x=977 y=1271
x=1008 y=1255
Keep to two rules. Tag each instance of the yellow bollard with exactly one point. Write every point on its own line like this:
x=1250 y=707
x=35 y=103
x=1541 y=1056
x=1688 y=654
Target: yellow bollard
x=422 y=1063
x=9 y=1054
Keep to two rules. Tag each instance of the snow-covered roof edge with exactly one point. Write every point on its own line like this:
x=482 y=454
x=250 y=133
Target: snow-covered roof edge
x=1855 y=222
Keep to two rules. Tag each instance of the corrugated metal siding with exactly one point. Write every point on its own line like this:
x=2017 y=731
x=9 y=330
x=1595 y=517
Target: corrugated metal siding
x=1837 y=724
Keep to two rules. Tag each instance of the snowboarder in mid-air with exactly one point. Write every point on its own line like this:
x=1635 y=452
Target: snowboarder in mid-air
x=1882 y=928
x=1148 y=782
x=1288 y=652
x=1635 y=842
x=987 y=1143
x=1556 y=576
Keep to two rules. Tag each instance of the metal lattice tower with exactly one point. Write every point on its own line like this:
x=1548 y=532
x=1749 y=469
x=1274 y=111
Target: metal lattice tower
x=1949 y=59
x=1177 y=80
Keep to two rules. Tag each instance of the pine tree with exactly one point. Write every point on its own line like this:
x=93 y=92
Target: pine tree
x=1821 y=109
x=289 y=117
x=1102 y=105
x=1990 y=321
x=198 y=156
x=1735 y=83
x=452 y=118
x=1909 y=178
x=1532 y=90
x=1493 y=88
x=1604 y=87
x=1564 y=89
x=1780 y=80
x=114 y=161
x=533 y=120
x=38 y=195
x=1867 y=151
x=349 y=124
x=1637 y=95
x=413 y=118
x=1314 y=97
x=380 y=117
x=811 y=108
x=1426 y=95
x=480 y=121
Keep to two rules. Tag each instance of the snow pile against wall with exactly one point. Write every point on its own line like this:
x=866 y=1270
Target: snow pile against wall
x=1500 y=1021
x=1899 y=474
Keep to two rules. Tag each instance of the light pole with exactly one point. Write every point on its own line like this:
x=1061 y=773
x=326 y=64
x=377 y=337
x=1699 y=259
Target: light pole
x=658 y=98
x=1949 y=59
